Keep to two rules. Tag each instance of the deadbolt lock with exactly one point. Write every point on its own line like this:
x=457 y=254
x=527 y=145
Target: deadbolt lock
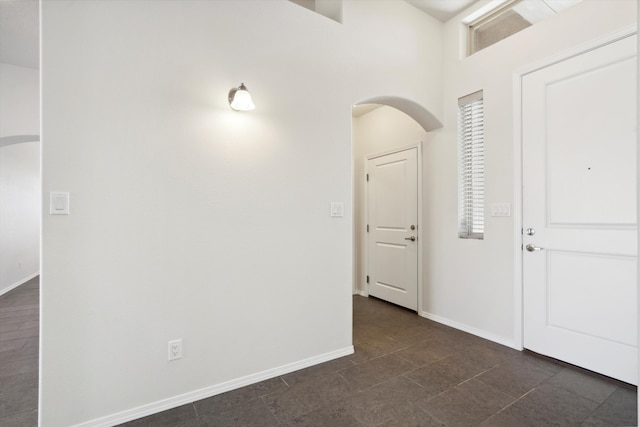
x=413 y=227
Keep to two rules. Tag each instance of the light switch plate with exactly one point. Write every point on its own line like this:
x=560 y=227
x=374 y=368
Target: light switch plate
x=501 y=209
x=59 y=203
x=337 y=209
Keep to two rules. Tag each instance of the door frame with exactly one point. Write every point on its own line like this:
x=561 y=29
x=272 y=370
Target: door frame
x=364 y=243
x=518 y=160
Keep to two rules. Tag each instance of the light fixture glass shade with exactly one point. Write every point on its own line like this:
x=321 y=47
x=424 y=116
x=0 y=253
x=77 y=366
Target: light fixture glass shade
x=240 y=99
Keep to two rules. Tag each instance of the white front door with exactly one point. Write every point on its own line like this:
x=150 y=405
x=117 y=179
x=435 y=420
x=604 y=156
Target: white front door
x=579 y=210
x=392 y=192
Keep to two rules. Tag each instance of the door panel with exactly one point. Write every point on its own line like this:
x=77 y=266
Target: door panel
x=392 y=209
x=579 y=195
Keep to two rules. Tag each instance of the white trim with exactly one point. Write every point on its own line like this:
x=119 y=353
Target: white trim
x=361 y=293
x=471 y=330
x=625 y=32
x=19 y=282
x=419 y=225
x=392 y=151
x=638 y=192
x=174 y=402
x=518 y=296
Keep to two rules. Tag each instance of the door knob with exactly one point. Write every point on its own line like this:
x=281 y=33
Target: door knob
x=532 y=248
x=412 y=238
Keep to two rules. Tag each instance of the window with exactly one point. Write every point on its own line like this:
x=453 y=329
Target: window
x=471 y=166
x=492 y=25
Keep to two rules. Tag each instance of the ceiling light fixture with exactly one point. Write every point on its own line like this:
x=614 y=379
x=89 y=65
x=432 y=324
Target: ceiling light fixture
x=240 y=99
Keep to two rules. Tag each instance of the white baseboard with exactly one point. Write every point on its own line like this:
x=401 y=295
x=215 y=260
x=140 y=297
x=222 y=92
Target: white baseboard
x=174 y=402
x=18 y=283
x=471 y=330
x=361 y=293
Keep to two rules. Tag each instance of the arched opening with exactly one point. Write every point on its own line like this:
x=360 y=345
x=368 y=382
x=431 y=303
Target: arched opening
x=417 y=112
x=382 y=124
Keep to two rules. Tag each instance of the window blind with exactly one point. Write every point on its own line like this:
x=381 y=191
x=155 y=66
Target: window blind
x=471 y=166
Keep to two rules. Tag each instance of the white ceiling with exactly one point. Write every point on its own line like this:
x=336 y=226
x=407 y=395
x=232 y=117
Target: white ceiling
x=442 y=10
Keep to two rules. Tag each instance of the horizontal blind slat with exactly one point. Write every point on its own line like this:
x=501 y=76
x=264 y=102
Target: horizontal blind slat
x=471 y=166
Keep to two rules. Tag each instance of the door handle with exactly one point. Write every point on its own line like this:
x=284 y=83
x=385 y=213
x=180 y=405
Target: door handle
x=532 y=248
x=412 y=238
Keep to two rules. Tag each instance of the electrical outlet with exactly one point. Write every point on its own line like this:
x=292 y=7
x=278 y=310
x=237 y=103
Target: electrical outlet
x=175 y=350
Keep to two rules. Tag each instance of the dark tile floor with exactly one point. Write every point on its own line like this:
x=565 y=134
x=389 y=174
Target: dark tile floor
x=19 y=356
x=409 y=371
x=406 y=371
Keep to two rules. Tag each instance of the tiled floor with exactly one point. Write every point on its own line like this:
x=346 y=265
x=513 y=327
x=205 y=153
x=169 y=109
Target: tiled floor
x=409 y=371
x=19 y=356
x=406 y=371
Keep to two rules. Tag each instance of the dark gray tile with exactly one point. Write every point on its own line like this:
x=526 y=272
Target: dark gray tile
x=515 y=377
x=182 y=416
x=375 y=371
x=412 y=416
x=18 y=325
x=16 y=367
x=22 y=312
x=307 y=396
x=396 y=399
x=620 y=409
x=537 y=360
x=410 y=332
x=252 y=413
x=18 y=383
x=21 y=333
x=20 y=419
x=321 y=369
x=583 y=384
x=323 y=417
x=16 y=344
x=11 y=309
x=484 y=356
x=227 y=401
x=18 y=401
x=371 y=348
x=545 y=406
x=19 y=354
x=443 y=374
x=469 y=403
x=425 y=352
x=20 y=317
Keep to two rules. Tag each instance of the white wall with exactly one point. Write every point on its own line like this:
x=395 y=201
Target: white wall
x=19 y=176
x=19 y=214
x=378 y=131
x=19 y=101
x=189 y=220
x=480 y=297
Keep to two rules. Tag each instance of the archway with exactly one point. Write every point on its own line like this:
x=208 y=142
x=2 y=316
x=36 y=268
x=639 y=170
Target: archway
x=389 y=123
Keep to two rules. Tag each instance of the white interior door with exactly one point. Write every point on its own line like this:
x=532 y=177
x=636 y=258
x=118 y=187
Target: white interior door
x=579 y=198
x=392 y=192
